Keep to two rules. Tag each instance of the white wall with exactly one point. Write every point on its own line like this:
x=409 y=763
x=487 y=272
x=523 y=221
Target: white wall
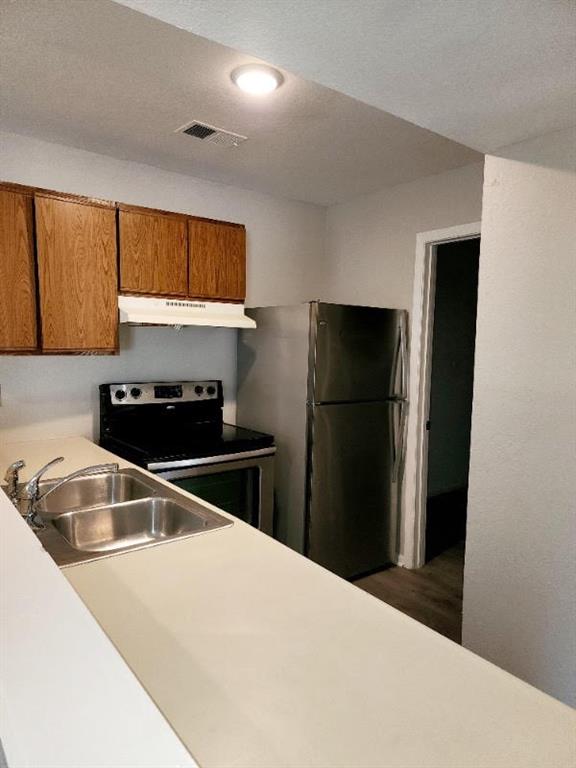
x=55 y=396
x=520 y=576
x=371 y=241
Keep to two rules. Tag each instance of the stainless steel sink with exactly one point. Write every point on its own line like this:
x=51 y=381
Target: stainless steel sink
x=93 y=491
x=106 y=514
x=128 y=524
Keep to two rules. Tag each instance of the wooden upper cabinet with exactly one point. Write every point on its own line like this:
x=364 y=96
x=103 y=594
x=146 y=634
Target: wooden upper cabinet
x=217 y=260
x=153 y=252
x=59 y=266
x=17 y=280
x=77 y=273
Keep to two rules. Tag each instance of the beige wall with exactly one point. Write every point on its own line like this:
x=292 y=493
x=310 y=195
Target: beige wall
x=55 y=396
x=520 y=575
x=371 y=241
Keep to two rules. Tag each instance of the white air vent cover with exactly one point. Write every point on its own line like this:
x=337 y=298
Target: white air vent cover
x=210 y=134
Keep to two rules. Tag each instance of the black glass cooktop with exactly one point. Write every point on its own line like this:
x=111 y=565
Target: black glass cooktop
x=178 y=445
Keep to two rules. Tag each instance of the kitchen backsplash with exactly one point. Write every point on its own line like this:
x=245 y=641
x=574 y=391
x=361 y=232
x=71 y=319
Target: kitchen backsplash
x=57 y=396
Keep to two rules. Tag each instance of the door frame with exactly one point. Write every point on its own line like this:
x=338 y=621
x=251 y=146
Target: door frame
x=421 y=332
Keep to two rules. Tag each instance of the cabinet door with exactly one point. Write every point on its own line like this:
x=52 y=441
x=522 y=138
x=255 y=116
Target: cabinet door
x=78 y=277
x=17 y=280
x=153 y=253
x=217 y=260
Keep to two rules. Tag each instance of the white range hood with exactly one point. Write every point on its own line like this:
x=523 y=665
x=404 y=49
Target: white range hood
x=142 y=310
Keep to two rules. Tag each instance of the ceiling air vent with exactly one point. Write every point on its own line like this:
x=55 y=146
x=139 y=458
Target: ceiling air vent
x=199 y=131
x=209 y=134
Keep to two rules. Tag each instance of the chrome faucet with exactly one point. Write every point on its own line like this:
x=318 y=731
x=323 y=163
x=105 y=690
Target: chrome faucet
x=32 y=487
x=32 y=494
x=11 y=479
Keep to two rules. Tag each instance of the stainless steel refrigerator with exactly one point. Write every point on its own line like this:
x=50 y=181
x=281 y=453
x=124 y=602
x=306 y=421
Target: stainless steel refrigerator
x=330 y=382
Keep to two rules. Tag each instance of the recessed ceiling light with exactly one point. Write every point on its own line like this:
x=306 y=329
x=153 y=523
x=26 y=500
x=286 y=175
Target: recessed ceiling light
x=257 y=79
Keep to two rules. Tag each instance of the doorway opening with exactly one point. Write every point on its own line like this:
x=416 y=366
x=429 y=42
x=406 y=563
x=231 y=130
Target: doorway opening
x=415 y=494
x=442 y=343
x=450 y=399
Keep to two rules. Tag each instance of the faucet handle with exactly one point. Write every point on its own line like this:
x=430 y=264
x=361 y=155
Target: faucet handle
x=31 y=487
x=11 y=475
x=11 y=479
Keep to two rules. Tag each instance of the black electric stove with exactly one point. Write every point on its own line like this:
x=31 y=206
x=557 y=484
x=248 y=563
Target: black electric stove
x=175 y=430
x=171 y=425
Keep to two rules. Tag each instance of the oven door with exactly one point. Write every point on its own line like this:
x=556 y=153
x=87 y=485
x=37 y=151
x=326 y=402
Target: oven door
x=241 y=484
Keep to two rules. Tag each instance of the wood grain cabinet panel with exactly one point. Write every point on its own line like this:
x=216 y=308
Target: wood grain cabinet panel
x=217 y=260
x=153 y=253
x=77 y=273
x=17 y=278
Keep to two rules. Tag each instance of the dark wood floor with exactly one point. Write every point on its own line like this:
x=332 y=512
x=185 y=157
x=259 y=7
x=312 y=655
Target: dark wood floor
x=431 y=594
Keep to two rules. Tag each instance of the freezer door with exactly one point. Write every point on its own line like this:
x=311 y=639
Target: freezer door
x=351 y=520
x=357 y=353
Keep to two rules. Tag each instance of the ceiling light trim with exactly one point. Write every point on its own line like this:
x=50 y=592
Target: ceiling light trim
x=257 y=79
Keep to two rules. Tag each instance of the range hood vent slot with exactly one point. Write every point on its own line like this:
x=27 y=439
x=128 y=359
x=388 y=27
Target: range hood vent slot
x=210 y=134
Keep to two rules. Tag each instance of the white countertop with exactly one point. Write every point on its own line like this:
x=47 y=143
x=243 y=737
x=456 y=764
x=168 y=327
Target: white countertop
x=67 y=699
x=260 y=658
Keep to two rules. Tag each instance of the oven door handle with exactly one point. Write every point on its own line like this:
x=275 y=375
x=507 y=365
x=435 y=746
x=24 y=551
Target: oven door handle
x=156 y=466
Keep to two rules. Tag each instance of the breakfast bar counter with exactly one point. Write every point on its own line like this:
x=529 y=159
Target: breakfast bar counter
x=258 y=658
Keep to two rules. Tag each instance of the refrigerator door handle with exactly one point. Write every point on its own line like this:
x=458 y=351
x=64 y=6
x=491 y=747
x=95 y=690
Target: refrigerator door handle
x=395 y=446
x=398 y=432
x=392 y=435
x=403 y=428
x=403 y=358
x=397 y=363
x=400 y=363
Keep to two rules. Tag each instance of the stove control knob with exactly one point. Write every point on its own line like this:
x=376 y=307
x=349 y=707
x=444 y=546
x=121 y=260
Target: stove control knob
x=211 y=390
x=199 y=390
x=135 y=392
x=120 y=394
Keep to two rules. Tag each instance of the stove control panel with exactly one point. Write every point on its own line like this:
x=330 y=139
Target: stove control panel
x=164 y=392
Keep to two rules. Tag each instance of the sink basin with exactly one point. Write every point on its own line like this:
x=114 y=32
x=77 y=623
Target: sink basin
x=106 y=514
x=129 y=524
x=93 y=491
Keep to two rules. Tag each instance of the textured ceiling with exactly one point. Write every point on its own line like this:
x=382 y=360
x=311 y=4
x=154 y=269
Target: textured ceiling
x=485 y=73
x=99 y=76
